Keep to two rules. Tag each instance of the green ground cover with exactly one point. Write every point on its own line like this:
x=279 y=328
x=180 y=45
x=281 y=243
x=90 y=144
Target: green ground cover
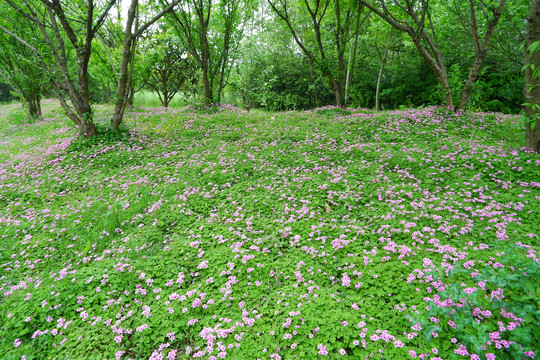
x=218 y=233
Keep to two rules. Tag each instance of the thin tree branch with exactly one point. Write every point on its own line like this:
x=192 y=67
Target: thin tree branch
x=156 y=18
x=103 y=16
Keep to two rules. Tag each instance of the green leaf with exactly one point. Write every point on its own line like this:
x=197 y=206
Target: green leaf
x=535 y=46
x=427 y=336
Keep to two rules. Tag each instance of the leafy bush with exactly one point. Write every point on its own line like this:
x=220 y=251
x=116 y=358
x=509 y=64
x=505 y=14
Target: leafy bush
x=500 y=311
x=5 y=93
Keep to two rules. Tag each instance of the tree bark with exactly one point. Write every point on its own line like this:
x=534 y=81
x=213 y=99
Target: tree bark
x=337 y=89
x=532 y=81
x=34 y=105
x=124 y=65
x=208 y=88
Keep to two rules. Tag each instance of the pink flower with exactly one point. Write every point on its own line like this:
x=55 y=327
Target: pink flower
x=171 y=355
x=322 y=349
x=142 y=327
x=342 y=351
x=146 y=310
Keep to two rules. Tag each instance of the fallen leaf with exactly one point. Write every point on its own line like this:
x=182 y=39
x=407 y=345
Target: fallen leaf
x=327 y=207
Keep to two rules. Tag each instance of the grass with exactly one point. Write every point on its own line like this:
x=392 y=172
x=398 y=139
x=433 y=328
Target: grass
x=149 y=99
x=298 y=235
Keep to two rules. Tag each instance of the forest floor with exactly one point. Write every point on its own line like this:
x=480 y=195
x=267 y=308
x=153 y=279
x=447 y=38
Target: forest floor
x=219 y=233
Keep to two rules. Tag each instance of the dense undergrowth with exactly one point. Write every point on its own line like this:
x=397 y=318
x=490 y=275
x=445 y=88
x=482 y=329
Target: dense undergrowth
x=300 y=235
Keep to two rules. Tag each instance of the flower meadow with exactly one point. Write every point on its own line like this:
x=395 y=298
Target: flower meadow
x=220 y=234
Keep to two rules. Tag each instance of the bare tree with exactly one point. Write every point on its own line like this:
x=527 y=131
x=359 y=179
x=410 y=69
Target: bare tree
x=414 y=17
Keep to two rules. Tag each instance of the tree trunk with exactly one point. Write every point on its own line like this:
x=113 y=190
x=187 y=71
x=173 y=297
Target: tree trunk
x=532 y=82
x=447 y=92
x=378 y=89
x=381 y=69
x=352 y=57
x=124 y=65
x=165 y=99
x=480 y=48
x=88 y=129
x=338 y=91
x=436 y=62
x=34 y=106
x=467 y=87
x=207 y=88
x=83 y=78
x=131 y=94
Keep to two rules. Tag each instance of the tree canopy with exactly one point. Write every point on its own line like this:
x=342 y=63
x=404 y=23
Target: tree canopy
x=273 y=54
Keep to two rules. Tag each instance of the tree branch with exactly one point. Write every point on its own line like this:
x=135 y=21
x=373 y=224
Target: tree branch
x=156 y=18
x=102 y=18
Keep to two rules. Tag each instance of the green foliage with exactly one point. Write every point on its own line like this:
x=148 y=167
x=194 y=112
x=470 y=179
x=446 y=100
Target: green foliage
x=5 y=93
x=151 y=100
x=502 y=306
x=104 y=138
x=20 y=116
x=167 y=68
x=532 y=118
x=334 y=111
x=279 y=81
